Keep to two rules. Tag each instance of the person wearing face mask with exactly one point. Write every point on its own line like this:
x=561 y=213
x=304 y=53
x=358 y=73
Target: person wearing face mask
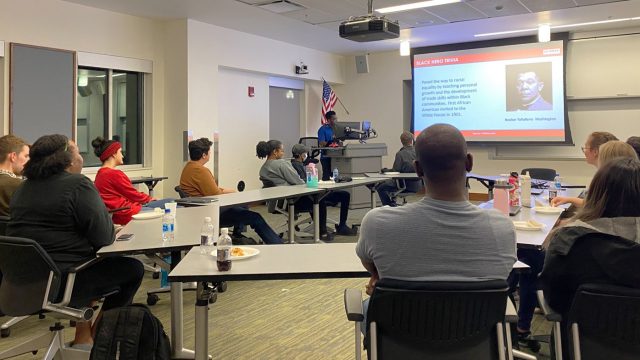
x=115 y=187
x=334 y=198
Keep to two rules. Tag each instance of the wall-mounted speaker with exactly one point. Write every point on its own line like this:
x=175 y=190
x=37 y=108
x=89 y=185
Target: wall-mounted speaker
x=362 y=64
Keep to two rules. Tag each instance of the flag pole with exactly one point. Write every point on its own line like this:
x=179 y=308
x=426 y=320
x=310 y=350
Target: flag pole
x=340 y=101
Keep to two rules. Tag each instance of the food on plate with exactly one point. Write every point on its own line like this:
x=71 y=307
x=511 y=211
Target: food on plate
x=534 y=223
x=236 y=251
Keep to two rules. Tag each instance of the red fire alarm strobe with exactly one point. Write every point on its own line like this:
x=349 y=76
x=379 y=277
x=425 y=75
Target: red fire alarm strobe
x=251 y=91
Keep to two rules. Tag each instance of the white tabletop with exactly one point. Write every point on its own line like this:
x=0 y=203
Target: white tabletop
x=278 y=262
x=409 y=176
x=295 y=261
x=343 y=185
x=277 y=192
x=148 y=233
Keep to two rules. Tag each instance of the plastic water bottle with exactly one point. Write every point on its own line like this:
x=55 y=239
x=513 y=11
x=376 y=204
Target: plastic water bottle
x=557 y=181
x=224 y=251
x=164 y=274
x=336 y=175
x=168 y=223
x=312 y=176
x=206 y=237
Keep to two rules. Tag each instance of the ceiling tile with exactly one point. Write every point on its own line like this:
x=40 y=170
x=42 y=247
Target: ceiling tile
x=416 y=18
x=455 y=12
x=313 y=16
x=547 y=5
x=497 y=8
x=253 y=2
x=594 y=2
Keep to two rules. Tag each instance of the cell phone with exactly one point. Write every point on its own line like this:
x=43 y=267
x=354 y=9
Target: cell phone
x=124 y=237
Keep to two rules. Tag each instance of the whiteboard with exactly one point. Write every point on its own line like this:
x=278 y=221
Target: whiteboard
x=603 y=87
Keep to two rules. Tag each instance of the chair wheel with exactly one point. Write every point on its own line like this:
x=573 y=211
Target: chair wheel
x=213 y=298
x=5 y=332
x=155 y=275
x=34 y=352
x=41 y=316
x=152 y=299
x=222 y=286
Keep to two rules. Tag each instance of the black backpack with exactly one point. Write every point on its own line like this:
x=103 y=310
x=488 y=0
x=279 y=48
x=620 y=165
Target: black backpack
x=130 y=333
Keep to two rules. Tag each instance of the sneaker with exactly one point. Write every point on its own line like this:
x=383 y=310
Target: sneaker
x=526 y=340
x=326 y=237
x=345 y=230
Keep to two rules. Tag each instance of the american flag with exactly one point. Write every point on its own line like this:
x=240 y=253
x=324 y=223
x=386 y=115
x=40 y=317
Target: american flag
x=328 y=100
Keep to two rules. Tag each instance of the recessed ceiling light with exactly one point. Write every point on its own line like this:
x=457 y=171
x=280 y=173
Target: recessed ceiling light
x=413 y=6
x=556 y=27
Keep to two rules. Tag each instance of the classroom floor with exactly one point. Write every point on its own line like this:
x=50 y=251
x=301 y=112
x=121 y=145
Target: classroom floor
x=301 y=319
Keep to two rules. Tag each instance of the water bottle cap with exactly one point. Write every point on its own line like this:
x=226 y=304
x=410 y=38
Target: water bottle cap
x=207 y=219
x=167 y=211
x=224 y=231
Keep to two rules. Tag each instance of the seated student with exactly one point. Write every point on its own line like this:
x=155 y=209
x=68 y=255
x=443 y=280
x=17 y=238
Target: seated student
x=341 y=197
x=601 y=244
x=403 y=164
x=197 y=180
x=634 y=141
x=14 y=154
x=428 y=240
x=607 y=152
x=591 y=150
x=61 y=210
x=280 y=172
x=115 y=187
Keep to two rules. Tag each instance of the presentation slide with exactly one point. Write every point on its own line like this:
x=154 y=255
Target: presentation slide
x=511 y=93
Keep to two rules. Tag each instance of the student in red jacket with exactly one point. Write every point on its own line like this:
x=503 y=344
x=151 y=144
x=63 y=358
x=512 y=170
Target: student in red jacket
x=114 y=186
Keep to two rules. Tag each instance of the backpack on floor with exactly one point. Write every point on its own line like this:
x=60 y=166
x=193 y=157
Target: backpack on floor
x=130 y=333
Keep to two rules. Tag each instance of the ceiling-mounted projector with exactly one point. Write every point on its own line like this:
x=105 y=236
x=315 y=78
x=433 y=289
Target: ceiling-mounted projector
x=369 y=27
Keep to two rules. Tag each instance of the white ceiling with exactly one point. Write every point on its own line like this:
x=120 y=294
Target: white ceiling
x=316 y=24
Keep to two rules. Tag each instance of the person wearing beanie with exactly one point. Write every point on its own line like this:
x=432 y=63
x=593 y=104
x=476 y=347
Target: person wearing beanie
x=115 y=188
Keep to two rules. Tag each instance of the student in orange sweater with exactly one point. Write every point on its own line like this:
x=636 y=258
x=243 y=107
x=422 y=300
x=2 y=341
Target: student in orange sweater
x=197 y=180
x=115 y=187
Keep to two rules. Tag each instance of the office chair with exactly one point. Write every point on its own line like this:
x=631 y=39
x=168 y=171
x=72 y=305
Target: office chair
x=432 y=320
x=180 y=192
x=540 y=173
x=602 y=323
x=312 y=143
x=33 y=283
x=406 y=188
x=281 y=207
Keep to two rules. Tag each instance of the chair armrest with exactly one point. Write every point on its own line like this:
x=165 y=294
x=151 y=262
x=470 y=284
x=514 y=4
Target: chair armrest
x=549 y=314
x=510 y=313
x=83 y=265
x=353 y=304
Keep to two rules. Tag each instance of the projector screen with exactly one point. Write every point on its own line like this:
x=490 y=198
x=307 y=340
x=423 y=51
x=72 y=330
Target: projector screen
x=504 y=94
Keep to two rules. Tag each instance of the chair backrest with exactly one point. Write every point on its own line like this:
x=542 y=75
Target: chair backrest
x=272 y=205
x=180 y=192
x=25 y=268
x=540 y=173
x=310 y=142
x=4 y=221
x=608 y=319
x=437 y=320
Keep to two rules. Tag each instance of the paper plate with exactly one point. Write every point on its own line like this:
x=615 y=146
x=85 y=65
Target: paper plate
x=526 y=226
x=247 y=252
x=392 y=173
x=548 y=209
x=147 y=215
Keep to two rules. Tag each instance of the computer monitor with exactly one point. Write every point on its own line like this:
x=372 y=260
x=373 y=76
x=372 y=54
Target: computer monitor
x=342 y=133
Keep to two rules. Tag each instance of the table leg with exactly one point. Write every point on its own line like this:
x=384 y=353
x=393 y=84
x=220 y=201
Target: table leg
x=177 y=322
x=202 y=322
x=316 y=218
x=292 y=222
x=373 y=197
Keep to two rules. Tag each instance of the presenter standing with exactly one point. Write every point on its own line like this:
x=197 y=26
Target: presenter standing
x=326 y=137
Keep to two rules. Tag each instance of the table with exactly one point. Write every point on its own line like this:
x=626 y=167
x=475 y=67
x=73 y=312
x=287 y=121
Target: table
x=148 y=241
x=290 y=193
x=311 y=261
x=488 y=182
x=150 y=181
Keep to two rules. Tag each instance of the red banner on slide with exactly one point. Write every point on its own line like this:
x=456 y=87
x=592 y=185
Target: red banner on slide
x=485 y=57
x=555 y=133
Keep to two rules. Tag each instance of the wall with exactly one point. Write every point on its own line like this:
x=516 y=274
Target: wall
x=377 y=96
x=63 y=25
x=213 y=50
x=243 y=122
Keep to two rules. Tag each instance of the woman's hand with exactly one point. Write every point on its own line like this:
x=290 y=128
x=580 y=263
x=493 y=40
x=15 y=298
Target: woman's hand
x=559 y=200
